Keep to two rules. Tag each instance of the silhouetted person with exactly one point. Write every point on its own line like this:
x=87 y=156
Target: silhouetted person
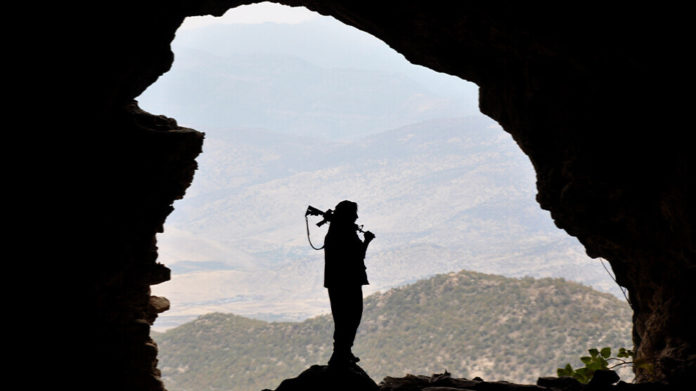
x=344 y=276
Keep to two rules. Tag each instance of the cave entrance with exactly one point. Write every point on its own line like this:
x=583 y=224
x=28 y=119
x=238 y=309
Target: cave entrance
x=302 y=110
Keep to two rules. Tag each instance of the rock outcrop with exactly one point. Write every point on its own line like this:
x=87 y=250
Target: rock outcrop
x=144 y=170
x=593 y=95
x=445 y=382
x=324 y=377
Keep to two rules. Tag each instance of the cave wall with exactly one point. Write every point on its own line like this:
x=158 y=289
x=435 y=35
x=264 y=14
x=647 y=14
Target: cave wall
x=589 y=92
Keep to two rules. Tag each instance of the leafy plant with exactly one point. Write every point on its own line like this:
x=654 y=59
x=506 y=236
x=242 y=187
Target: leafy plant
x=598 y=359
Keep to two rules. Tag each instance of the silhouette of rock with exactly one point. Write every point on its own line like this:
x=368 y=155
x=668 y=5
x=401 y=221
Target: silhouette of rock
x=324 y=378
x=595 y=109
x=444 y=382
x=562 y=383
x=604 y=378
x=420 y=382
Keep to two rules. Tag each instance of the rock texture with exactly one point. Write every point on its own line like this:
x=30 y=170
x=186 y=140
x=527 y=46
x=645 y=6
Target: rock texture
x=591 y=94
x=323 y=377
x=150 y=162
x=445 y=382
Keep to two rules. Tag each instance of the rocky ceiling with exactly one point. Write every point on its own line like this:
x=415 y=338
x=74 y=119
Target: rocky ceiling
x=592 y=93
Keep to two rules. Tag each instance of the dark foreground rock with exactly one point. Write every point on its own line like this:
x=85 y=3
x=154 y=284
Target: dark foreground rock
x=325 y=378
x=591 y=96
x=444 y=382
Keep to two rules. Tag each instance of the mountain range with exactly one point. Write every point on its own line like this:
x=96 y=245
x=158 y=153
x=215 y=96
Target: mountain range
x=469 y=324
x=317 y=112
x=441 y=196
x=318 y=78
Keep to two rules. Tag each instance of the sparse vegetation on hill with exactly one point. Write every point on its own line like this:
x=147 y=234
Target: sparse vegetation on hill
x=467 y=323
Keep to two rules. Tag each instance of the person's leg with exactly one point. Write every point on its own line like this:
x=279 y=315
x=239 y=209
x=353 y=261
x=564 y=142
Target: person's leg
x=354 y=303
x=355 y=308
x=340 y=310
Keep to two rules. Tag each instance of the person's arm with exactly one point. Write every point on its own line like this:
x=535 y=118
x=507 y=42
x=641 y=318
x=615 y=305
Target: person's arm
x=369 y=236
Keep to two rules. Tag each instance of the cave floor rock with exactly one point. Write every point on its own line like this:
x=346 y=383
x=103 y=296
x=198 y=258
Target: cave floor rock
x=325 y=378
x=445 y=382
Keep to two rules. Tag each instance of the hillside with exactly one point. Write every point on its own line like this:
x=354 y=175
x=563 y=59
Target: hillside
x=468 y=323
x=318 y=78
x=440 y=195
x=317 y=112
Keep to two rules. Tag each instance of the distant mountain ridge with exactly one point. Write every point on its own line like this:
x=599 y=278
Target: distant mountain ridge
x=293 y=96
x=318 y=112
x=470 y=324
x=318 y=78
x=440 y=195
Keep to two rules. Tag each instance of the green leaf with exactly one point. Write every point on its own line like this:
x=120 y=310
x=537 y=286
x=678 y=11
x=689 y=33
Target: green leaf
x=598 y=359
x=583 y=375
x=563 y=372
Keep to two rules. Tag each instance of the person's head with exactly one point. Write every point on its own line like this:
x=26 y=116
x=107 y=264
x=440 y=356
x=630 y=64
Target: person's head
x=346 y=212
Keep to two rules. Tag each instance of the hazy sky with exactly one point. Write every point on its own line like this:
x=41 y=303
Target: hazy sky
x=290 y=70
x=255 y=13
x=307 y=73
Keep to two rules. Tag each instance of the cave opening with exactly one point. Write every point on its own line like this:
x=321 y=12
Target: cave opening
x=273 y=191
